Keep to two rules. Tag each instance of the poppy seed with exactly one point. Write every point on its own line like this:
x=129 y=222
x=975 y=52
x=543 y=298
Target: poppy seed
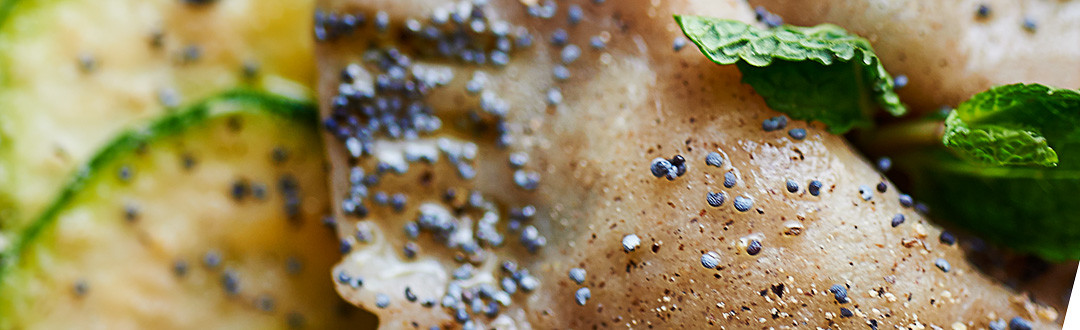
x=900 y=81
x=884 y=164
x=559 y=37
x=715 y=199
x=998 y=325
x=797 y=133
x=710 y=260
x=774 y=123
x=582 y=295
x=714 y=159
x=906 y=200
x=1030 y=25
x=814 y=188
x=729 y=179
x=839 y=292
x=574 y=14
x=943 y=265
x=630 y=242
x=679 y=44
x=554 y=96
x=1019 y=323
x=597 y=43
x=983 y=11
x=743 y=203
x=577 y=275
x=947 y=238
x=865 y=192
x=844 y=312
x=382 y=300
x=753 y=248
x=570 y=53
x=897 y=220
x=561 y=73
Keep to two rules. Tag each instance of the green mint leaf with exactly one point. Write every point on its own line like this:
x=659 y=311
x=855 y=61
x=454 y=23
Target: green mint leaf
x=1009 y=169
x=817 y=73
x=997 y=145
x=1029 y=209
x=1019 y=124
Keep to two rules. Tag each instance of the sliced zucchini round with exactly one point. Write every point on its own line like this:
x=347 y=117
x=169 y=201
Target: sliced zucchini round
x=209 y=217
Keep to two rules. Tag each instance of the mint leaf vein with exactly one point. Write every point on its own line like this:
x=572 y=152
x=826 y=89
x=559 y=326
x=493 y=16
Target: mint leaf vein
x=1016 y=125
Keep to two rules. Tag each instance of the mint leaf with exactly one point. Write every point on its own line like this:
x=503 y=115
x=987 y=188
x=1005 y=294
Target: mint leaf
x=1019 y=124
x=1000 y=176
x=996 y=145
x=1029 y=209
x=817 y=73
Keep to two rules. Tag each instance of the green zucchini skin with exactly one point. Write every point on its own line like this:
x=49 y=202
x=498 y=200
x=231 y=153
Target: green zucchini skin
x=303 y=113
x=39 y=265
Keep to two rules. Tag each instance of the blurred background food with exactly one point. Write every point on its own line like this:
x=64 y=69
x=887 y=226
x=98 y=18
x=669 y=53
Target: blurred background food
x=192 y=206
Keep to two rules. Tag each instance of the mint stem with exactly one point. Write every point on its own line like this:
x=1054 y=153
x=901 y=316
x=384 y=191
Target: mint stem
x=900 y=137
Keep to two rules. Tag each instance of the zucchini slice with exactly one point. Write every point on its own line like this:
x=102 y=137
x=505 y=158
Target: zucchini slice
x=209 y=217
x=74 y=73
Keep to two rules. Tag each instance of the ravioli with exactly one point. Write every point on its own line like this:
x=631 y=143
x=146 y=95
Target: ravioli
x=518 y=139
